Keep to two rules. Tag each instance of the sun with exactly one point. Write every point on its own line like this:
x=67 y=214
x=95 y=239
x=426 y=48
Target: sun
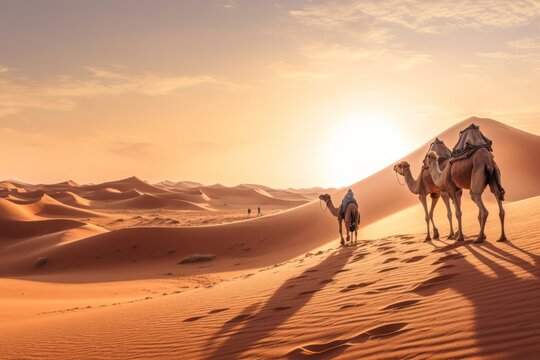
x=360 y=146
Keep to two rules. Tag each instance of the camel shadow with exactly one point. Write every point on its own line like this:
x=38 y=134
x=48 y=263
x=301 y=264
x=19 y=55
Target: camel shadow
x=256 y=322
x=505 y=306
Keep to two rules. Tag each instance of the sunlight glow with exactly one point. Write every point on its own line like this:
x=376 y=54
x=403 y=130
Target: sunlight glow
x=362 y=145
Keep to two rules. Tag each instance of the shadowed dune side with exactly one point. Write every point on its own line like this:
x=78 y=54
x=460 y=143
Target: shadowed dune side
x=110 y=194
x=70 y=198
x=147 y=201
x=28 y=228
x=22 y=221
x=46 y=206
x=131 y=183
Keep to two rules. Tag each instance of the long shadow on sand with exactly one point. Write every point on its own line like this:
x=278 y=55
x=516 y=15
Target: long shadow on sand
x=506 y=307
x=249 y=328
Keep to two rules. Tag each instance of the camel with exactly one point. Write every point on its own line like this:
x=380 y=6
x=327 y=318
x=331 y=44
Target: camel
x=352 y=218
x=473 y=173
x=424 y=185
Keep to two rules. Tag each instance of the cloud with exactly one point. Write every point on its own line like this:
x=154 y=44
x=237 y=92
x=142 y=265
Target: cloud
x=525 y=43
x=64 y=92
x=4 y=69
x=299 y=73
x=229 y=4
x=131 y=149
x=421 y=16
x=334 y=53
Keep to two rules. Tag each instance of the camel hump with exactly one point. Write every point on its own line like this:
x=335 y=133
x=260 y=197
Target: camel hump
x=470 y=140
x=440 y=148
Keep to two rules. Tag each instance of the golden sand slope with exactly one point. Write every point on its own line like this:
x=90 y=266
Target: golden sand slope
x=278 y=286
x=395 y=297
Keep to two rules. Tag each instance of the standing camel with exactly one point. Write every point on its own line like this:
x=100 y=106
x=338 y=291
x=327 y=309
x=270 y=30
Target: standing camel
x=474 y=173
x=352 y=218
x=424 y=185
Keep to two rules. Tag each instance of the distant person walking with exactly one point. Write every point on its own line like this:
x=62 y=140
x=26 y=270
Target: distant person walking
x=259 y=213
x=249 y=211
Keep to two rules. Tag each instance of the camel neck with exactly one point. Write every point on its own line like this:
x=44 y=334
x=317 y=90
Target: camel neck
x=436 y=173
x=333 y=210
x=411 y=182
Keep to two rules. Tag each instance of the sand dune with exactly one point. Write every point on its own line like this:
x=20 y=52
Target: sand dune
x=276 y=286
x=108 y=194
x=146 y=201
x=279 y=237
x=389 y=298
x=179 y=185
x=124 y=185
x=46 y=206
x=70 y=198
x=12 y=211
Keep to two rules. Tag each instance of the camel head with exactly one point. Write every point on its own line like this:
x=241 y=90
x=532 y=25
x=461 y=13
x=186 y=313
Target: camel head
x=431 y=157
x=325 y=197
x=401 y=166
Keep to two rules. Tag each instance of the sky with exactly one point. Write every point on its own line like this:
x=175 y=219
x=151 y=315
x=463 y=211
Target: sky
x=282 y=93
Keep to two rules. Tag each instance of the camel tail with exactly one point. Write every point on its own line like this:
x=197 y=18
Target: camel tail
x=355 y=220
x=495 y=178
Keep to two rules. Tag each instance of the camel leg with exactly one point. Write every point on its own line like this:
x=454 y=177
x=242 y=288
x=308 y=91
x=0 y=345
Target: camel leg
x=341 y=232
x=498 y=195
x=501 y=217
x=446 y=200
x=347 y=231
x=434 y=201
x=456 y=197
x=424 y=204
x=482 y=216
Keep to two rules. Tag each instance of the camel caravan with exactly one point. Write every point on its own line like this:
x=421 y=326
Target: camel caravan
x=444 y=174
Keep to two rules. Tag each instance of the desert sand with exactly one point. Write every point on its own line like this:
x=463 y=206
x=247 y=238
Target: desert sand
x=92 y=271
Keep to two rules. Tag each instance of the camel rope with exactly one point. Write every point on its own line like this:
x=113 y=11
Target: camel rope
x=320 y=205
x=397 y=178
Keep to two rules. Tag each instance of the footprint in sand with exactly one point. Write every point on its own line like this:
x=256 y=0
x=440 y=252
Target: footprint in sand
x=194 y=318
x=215 y=311
x=240 y=318
x=389 y=287
x=308 y=292
x=389 y=252
x=359 y=257
x=333 y=347
x=448 y=257
x=355 y=286
x=413 y=259
x=401 y=305
x=347 y=306
x=447 y=266
x=408 y=242
x=281 y=308
x=388 y=269
x=386 y=330
x=411 y=251
x=389 y=260
x=327 y=281
x=434 y=281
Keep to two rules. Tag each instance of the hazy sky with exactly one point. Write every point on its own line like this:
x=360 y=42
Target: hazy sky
x=284 y=93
